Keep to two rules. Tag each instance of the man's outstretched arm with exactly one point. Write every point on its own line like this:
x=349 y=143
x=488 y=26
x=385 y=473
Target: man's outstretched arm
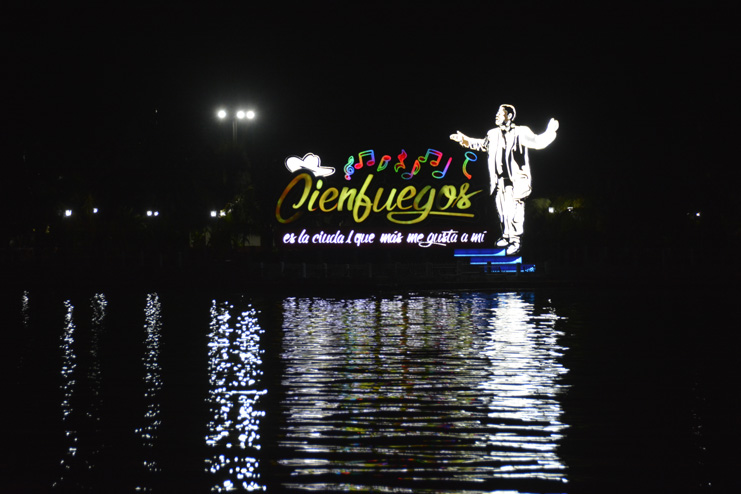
x=470 y=142
x=538 y=141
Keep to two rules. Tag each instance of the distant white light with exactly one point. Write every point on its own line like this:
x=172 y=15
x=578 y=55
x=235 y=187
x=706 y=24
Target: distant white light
x=95 y=210
x=221 y=114
x=152 y=213
x=697 y=214
x=242 y=114
x=551 y=210
x=222 y=213
x=149 y=213
x=67 y=212
x=213 y=214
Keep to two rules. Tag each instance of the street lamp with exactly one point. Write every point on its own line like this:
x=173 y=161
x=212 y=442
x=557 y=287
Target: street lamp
x=237 y=116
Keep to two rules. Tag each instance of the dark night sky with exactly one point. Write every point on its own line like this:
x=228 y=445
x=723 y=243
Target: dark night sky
x=645 y=93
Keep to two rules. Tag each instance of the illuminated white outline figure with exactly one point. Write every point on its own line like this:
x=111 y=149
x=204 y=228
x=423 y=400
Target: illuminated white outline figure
x=310 y=162
x=509 y=169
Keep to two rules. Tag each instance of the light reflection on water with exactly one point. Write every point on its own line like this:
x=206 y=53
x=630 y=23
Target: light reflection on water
x=521 y=390
x=420 y=391
x=81 y=396
x=453 y=393
x=152 y=420
x=69 y=364
x=235 y=389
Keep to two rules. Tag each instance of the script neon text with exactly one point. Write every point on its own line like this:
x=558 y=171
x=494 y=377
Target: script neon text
x=406 y=206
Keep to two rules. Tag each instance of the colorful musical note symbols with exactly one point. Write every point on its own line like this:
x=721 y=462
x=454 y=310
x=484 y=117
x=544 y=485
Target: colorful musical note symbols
x=370 y=162
x=384 y=163
x=434 y=152
x=469 y=157
x=348 y=168
x=440 y=174
x=415 y=170
x=400 y=164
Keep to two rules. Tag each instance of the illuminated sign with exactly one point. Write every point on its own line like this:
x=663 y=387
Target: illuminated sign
x=409 y=205
x=405 y=194
x=358 y=238
x=360 y=197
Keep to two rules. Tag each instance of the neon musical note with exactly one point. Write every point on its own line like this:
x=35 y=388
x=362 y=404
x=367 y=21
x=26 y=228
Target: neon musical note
x=435 y=162
x=415 y=170
x=400 y=164
x=371 y=161
x=384 y=163
x=469 y=157
x=349 y=169
x=441 y=174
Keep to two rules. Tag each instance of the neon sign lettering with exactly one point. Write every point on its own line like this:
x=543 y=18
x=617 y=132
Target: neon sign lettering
x=359 y=238
x=406 y=206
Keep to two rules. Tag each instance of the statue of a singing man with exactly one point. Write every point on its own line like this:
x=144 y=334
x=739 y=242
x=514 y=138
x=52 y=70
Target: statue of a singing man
x=509 y=169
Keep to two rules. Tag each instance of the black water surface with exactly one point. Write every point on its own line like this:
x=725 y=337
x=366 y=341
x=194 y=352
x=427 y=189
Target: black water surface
x=543 y=391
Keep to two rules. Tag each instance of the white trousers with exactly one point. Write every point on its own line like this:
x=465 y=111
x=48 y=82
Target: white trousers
x=511 y=211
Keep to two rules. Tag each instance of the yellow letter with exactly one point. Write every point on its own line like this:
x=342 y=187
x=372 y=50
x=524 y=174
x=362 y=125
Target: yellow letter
x=329 y=195
x=362 y=200
x=307 y=187
x=406 y=193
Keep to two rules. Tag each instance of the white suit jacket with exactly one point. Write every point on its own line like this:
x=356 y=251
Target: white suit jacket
x=508 y=156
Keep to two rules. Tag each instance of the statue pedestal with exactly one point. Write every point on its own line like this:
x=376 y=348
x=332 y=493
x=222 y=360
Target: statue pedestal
x=495 y=260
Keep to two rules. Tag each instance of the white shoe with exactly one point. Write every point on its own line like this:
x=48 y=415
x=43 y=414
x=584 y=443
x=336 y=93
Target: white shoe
x=502 y=242
x=512 y=248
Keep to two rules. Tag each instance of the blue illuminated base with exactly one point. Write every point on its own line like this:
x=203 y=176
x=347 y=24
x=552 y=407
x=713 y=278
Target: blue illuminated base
x=495 y=260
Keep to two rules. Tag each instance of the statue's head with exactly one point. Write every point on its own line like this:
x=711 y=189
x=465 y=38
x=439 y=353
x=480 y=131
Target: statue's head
x=505 y=115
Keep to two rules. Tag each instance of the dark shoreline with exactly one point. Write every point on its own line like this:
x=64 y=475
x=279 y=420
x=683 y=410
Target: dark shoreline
x=327 y=279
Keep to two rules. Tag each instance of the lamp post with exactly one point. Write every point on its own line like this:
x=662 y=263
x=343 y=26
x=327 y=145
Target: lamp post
x=236 y=116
